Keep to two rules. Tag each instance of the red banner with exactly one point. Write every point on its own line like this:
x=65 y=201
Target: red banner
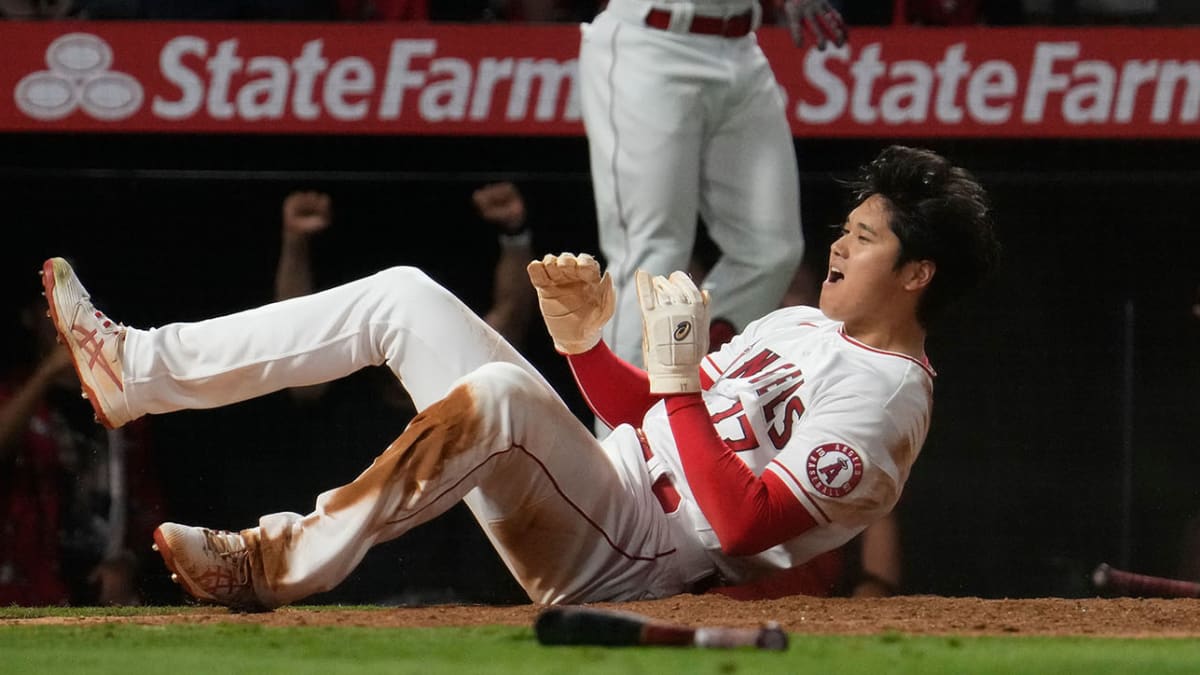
x=410 y=78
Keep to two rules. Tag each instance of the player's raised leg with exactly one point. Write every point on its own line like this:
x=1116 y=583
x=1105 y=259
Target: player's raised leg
x=96 y=342
x=752 y=205
x=398 y=316
x=573 y=520
x=644 y=145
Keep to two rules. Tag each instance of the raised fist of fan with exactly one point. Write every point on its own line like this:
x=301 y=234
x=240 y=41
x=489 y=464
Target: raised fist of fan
x=674 y=331
x=306 y=213
x=576 y=301
x=817 y=17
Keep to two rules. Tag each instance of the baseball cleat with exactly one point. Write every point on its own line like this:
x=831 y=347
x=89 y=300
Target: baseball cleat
x=211 y=565
x=96 y=343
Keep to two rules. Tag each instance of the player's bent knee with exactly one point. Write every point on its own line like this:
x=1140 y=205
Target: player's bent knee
x=407 y=285
x=401 y=276
x=503 y=381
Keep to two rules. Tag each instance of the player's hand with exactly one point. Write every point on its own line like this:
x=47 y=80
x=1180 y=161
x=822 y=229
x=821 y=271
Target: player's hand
x=306 y=213
x=674 y=331
x=576 y=301
x=817 y=17
x=501 y=204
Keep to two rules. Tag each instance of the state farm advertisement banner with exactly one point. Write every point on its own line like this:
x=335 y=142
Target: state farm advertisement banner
x=401 y=78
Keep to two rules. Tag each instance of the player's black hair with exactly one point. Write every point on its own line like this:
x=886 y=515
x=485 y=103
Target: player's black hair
x=939 y=212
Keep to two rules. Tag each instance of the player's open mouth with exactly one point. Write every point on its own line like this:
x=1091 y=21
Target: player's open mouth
x=835 y=275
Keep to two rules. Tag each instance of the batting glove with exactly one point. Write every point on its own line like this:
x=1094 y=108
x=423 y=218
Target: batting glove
x=576 y=301
x=674 y=331
x=817 y=17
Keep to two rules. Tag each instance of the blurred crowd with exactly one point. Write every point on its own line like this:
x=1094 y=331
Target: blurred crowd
x=869 y=13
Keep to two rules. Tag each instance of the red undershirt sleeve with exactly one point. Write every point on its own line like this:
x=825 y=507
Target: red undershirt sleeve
x=749 y=514
x=616 y=390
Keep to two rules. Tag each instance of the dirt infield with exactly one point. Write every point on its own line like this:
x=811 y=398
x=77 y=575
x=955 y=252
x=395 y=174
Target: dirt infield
x=918 y=615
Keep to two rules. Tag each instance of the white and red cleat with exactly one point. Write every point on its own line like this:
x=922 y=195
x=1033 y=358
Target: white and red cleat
x=95 y=342
x=211 y=565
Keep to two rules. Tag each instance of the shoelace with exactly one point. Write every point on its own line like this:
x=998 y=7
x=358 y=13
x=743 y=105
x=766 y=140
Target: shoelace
x=230 y=546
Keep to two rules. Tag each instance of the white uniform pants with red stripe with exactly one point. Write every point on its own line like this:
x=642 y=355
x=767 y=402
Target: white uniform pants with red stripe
x=573 y=518
x=681 y=125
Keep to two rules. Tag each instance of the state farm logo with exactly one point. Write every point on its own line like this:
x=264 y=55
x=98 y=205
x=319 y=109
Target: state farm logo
x=79 y=77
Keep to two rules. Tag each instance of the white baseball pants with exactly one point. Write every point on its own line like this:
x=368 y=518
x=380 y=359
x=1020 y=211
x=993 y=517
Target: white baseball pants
x=573 y=518
x=680 y=125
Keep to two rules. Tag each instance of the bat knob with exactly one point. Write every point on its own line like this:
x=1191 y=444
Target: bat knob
x=772 y=637
x=1101 y=575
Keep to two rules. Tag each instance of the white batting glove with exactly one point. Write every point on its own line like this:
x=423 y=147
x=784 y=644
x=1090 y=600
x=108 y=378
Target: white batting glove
x=674 y=331
x=576 y=301
x=817 y=17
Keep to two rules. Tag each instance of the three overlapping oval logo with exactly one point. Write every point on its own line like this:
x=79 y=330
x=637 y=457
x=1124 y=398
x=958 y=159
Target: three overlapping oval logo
x=79 y=76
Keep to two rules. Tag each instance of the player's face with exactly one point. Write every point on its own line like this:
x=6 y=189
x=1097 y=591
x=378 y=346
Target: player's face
x=863 y=282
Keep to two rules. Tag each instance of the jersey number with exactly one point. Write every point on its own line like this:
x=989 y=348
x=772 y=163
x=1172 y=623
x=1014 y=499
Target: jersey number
x=793 y=409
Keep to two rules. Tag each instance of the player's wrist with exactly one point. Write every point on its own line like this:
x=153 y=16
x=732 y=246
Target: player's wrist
x=520 y=239
x=576 y=346
x=674 y=382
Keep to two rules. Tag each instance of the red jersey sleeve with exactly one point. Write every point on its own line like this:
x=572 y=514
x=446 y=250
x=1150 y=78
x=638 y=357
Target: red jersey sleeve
x=616 y=390
x=748 y=513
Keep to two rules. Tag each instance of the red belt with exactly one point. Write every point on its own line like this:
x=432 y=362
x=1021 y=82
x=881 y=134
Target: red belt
x=725 y=26
x=664 y=491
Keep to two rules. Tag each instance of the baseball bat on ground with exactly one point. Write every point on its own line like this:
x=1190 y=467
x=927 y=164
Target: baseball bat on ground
x=1120 y=582
x=575 y=625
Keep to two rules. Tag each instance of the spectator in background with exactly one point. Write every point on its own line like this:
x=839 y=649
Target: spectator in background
x=943 y=12
x=308 y=213
x=1072 y=12
x=447 y=561
x=383 y=10
x=929 y=12
x=37 y=9
x=209 y=10
x=77 y=502
x=1178 y=12
x=523 y=11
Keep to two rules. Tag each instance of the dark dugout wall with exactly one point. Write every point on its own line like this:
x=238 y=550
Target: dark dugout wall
x=1066 y=416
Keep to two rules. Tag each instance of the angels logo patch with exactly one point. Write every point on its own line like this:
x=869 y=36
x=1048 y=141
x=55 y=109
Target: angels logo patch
x=834 y=469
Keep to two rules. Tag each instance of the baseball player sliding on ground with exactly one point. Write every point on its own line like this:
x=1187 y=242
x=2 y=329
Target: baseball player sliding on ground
x=684 y=118
x=721 y=467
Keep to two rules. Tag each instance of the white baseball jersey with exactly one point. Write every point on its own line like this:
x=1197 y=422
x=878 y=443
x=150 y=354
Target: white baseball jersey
x=683 y=124
x=839 y=422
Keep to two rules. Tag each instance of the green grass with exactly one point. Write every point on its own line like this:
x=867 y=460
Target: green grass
x=111 y=647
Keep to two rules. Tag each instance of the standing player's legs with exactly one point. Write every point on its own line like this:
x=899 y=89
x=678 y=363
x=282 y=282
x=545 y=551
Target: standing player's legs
x=750 y=198
x=399 y=316
x=642 y=110
x=573 y=521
